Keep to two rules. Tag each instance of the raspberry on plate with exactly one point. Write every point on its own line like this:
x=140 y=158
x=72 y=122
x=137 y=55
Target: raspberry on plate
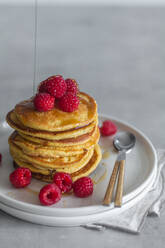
x=55 y=86
x=21 y=177
x=50 y=194
x=83 y=187
x=44 y=102
x=72 y=86
x=69 y=102
x=108 y=128
x=63 y=181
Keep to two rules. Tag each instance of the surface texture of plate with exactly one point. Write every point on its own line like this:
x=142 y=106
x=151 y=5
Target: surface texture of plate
x=141 y=166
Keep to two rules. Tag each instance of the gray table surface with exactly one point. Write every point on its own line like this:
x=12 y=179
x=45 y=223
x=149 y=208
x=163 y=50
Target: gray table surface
x=117 y=54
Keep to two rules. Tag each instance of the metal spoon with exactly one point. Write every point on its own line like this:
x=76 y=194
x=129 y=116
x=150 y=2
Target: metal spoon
x=123 y=142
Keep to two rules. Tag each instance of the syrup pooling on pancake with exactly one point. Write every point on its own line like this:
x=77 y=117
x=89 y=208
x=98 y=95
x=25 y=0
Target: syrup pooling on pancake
x=58 y=135
x=55 y=119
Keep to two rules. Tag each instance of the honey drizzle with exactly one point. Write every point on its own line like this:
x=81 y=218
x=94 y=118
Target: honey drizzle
x=64 y=203
x=67 y=194
x=100 y=179
x=103 y=164
x=32 y=191
x=10 y=194
x=105 y=154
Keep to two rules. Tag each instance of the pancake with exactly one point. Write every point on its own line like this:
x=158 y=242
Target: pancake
x=90 y=166
x=47 y=175
x=13 y=121
x=51 y=163
x=80 y=142
x=33 y=149
x=56 y=119
x=33 y=169
x=48 y=150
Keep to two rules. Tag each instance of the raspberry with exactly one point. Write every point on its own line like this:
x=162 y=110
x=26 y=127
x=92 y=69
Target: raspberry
x=72 y=86
x=0 y=157
x=21 y=177
x=42 y=87
x=50 y=194
x=44 y=102
x=69 y=102
x=63 y=181
x=56 y=86
x=83 y=187
x=108 y=128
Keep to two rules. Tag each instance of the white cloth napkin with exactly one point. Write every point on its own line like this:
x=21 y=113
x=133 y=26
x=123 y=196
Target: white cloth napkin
x=133 y=219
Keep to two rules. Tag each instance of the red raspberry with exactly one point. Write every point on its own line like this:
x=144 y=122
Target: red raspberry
x=56 y=86
x=108 y=128
x=0 y=157
x=50 y=194
x=21 y=177
x=44 y=102
x=69 y=102
x=42 y=87
x=83 y=187
x=72 y=86
x=63 y=181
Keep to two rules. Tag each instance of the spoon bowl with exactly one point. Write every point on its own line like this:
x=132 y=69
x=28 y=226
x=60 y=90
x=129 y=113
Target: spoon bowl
x=124 y=141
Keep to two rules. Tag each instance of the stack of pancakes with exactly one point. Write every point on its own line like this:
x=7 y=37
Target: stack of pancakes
x=55 y=141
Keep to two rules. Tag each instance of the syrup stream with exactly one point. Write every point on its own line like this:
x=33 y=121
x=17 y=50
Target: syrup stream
x=35 y=45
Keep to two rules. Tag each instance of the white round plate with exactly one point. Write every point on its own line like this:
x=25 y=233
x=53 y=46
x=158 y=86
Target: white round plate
x=140 y=171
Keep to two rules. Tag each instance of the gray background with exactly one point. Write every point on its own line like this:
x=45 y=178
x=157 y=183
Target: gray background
x=117 y=54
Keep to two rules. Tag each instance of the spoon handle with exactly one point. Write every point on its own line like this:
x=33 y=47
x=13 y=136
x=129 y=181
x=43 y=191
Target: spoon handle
x=108 y=195
x=119 y=191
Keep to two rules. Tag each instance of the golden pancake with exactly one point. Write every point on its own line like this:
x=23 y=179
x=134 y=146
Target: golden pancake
x=51 y=163
x=56 y=119
x=68 y=169
x=40 y=149
x=13 y=121
x=81 y=142
x=90 y=166
x=33 y=149
x=47 y=175
x=21 y=163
